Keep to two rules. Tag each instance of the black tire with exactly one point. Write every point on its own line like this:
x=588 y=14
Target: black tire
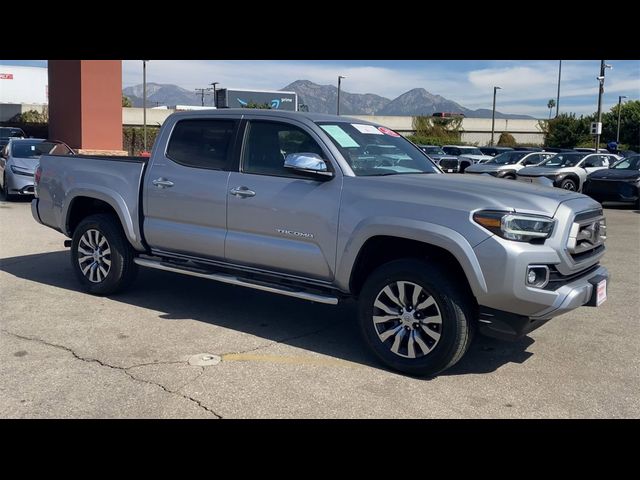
x=122 y=270
x=509 y=177
x=5 y=191
x=455 y=309
x=569 y=184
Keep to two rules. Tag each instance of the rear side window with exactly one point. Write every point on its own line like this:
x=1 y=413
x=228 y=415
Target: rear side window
x=202 y=143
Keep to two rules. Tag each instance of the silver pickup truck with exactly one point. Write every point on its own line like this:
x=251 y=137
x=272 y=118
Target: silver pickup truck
x=325 y=208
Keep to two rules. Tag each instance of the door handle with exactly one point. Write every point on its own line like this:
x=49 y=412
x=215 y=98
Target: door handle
x=242 y=192
x=162 y=183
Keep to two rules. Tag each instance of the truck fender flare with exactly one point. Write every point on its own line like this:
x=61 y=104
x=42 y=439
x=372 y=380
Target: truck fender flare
x=115 y=200
x=421 y=231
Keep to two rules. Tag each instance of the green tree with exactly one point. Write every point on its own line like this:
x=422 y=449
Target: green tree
x=448 y=129
x=565 y=131
x=264 y=106
x=551 y=104
x=31 y=116
x=629 y=124
x=506 y=140
x=126 y=101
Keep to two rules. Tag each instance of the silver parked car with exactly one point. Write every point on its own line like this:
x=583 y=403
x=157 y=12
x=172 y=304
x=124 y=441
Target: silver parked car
x=18 y=162
x=568 y=170
x=507 y=164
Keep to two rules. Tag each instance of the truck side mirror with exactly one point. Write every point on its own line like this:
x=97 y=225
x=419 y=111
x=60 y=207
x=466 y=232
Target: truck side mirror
x=308 y=163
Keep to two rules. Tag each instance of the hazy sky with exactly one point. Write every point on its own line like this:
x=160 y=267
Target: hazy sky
x=526 y=85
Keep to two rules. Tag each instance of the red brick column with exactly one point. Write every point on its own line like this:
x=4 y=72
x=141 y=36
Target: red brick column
x=85 y=105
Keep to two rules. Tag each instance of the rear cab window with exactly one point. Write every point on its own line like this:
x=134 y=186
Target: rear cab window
x=203 y=143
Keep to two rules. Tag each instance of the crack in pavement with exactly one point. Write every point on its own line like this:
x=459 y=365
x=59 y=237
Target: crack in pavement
x=124 y=370
x=285 y=339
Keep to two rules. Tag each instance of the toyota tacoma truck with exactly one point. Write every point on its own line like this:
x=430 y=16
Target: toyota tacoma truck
x=314 y=207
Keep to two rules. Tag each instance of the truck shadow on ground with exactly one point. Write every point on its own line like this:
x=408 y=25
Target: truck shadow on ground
x=319 y=328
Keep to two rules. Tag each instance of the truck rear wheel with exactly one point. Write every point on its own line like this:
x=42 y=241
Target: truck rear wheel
x=101 y=256
x=414 y=317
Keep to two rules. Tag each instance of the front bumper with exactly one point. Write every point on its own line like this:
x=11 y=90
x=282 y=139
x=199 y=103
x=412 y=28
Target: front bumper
x=511 y=326
x=19 y=184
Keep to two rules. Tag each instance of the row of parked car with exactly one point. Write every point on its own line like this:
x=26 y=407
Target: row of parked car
x=602 y=175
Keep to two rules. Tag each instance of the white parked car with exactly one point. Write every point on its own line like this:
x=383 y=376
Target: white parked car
x=568 y=170
x=507 y=164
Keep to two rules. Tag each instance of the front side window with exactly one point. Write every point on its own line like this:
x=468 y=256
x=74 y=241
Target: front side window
x=507 y=158
x=202 y=143
x=375 y=151
x=268 y=143
x=594 y=161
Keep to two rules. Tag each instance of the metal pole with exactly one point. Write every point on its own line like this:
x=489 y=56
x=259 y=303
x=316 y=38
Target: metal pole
x=493 y=114
x=338 y=106
x=144 y=103
x=619 y=111
x=600 y=92
x=558 y=97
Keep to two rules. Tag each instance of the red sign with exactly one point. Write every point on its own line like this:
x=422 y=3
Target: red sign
x=386 y=131
x=6 y=76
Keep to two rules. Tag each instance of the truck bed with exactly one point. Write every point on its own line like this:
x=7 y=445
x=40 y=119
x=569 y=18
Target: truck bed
x=116 y=180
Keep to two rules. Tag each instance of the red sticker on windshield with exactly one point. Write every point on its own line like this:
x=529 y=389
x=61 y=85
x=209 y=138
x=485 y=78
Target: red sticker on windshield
x=386 y=131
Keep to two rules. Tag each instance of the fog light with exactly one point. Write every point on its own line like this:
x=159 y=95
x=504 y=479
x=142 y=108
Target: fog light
x=537 y=275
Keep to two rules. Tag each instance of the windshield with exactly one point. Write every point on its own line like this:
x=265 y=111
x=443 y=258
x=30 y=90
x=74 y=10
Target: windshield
x=507 y=158
x=433 y=150
x=374 y=151
x=631 y=163
x=6 y=132
x=563 y=160
x=36 y=148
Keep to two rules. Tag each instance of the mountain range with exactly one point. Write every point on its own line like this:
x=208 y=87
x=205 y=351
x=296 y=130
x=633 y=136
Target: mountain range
x=323 y=99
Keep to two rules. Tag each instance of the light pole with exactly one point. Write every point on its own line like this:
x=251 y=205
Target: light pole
x=493 y=113
x=340 y=77
x=213 y=84
x=619 y=110
x=558 y=98
x=600 y=79
x=144 y=104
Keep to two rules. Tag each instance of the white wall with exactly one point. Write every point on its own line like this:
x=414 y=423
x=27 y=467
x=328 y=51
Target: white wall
x=23 y=84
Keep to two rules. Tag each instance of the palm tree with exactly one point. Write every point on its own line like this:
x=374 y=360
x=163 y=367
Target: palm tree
x=550 y=105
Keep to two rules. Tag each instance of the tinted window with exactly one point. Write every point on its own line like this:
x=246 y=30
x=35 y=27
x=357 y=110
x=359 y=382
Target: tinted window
x=433 y=150
x=594 y=161
x=6 y=132
x=202 y=143
x=532 y=159
x=268 y=143
x=507 y=158
x=629 y=163
x=562 y=160
x=37 y=148
x=451 y=150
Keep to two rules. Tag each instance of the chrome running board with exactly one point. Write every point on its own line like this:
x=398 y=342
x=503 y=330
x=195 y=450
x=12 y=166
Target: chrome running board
x=230 y=279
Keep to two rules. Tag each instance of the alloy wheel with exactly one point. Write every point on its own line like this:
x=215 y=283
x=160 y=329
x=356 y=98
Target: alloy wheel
x=407 y=319
x=94 y=256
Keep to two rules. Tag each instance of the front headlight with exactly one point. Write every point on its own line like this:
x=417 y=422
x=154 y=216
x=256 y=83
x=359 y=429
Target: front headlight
x=21 y=171
x=513 y=226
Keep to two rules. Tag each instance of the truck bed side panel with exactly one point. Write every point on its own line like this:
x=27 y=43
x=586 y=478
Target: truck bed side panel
x=114 y=180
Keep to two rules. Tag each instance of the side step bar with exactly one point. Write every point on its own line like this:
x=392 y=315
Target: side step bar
x=221 y=277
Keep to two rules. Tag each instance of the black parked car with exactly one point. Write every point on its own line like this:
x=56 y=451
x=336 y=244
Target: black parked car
x=529 y=149
x=493 y=151
x=619 y=183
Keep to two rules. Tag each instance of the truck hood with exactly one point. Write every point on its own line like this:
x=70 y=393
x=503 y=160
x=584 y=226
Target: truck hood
x=544 y=171
x=477 y=158
x=467 y=193
x=29 y=164
x=614 y=174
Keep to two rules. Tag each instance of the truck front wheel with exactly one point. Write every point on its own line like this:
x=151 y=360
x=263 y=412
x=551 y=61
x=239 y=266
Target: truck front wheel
x=414 y=317
x=101 y=256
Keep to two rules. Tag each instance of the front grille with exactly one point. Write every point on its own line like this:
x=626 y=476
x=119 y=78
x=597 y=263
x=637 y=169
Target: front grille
x=449 y=163
x=557 y=280
x=587 y=235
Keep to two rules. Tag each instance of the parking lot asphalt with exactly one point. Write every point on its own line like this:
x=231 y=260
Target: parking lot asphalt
x=66 y=354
